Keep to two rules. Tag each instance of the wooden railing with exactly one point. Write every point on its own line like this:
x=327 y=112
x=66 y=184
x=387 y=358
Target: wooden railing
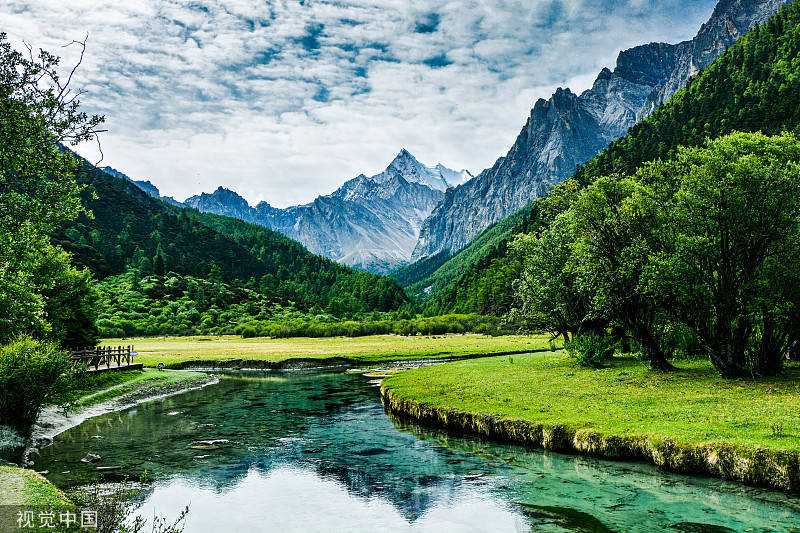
x=102 y=355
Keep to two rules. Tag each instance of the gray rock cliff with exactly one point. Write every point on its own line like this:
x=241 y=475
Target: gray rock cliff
x=568 y=129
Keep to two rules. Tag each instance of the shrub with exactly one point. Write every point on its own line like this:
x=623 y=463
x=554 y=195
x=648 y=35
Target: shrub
x=249 y=332
x=32 y=373
x=591 y=349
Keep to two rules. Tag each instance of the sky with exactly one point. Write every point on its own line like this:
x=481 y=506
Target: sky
x=285 y=100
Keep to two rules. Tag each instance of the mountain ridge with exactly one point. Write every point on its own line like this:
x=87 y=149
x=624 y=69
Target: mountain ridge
x=370 y=222
x=567 y=130
x=753 y=87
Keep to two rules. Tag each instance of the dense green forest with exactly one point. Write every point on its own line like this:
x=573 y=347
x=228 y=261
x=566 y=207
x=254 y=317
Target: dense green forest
x=754 y=86
x=483 y=275
x=131 y=304
x=408 y=275
x=294 y=273
x=129 y=229
x=697 y=251
x=430 y=276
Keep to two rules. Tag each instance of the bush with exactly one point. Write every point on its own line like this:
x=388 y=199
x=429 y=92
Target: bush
x=32 y=373
x=591 y=349
x=249 y=332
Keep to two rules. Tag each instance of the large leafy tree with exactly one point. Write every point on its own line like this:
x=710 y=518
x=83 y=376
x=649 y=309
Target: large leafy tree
x=548 y=291
x=613 y=223
x=39 y=116
x=727 y=263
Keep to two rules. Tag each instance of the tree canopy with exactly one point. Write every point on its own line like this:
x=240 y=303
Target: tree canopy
x=708 y=241
x=39 y=114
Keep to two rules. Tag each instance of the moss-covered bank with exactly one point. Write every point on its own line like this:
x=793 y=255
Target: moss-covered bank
x=689 y=422
x=754 y=466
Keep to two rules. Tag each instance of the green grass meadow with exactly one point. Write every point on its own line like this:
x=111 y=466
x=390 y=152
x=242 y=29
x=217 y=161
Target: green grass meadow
x=692 y=405
x=176 y=350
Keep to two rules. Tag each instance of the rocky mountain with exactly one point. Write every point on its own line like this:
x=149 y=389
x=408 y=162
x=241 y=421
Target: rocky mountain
x=223 y=202
x=372 y=223
x=145 y=185
x=569 y=129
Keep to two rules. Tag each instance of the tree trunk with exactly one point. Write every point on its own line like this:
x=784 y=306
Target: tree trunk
x=651 y=351
x=727 y=350
x=772 y=349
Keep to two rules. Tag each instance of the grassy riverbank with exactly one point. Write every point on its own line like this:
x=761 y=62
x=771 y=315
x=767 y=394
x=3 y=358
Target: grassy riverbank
x=174 y=351
x=19 y=486
x=688 y=420
x=693 y=405
x=112 y=385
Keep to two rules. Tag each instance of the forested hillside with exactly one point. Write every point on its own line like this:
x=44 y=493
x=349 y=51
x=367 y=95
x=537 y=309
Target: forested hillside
x=429 y=277
x=131 y=230
x=754 y=86
x=293 y=270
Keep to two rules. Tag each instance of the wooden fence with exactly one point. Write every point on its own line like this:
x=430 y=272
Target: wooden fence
x=102 y=355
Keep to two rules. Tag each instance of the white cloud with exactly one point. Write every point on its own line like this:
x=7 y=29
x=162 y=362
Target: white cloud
x=284 y=100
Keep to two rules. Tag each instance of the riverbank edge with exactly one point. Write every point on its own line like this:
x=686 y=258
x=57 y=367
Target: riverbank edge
x=60 y=423
x=44 y=488
x=759 y=467
x=32 y=488
x=308 y=363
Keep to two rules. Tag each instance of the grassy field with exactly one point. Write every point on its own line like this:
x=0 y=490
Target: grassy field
x=174 y=350
x=691 y=406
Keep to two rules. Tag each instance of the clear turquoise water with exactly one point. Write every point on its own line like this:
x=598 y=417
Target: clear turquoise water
x=315 y=452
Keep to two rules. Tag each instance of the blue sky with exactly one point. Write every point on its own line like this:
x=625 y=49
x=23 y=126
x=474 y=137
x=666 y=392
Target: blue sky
x=285 y=100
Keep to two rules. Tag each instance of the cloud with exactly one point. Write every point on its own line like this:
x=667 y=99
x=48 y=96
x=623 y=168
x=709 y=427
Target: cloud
x=284 y=100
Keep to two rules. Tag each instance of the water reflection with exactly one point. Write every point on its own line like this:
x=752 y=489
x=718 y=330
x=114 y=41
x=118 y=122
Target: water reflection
x=315 y=452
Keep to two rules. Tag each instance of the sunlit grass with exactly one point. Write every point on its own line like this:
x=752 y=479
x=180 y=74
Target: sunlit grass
x=19 y=486
x=692 y=405
x=174 y=350
x=97 y=388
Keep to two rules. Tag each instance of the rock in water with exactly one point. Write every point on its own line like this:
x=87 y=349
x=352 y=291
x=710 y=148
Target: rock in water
x=91 y=458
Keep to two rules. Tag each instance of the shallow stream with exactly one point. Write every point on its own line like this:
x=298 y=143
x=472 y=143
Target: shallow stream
x=314 y=451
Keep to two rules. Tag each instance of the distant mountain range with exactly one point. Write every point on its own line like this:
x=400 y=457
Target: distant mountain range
x=371 y=223
x=411 y=211
x=144 y=185
x=131 y=229
x=568 y=129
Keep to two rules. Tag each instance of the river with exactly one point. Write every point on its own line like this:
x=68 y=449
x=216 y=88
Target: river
x=314 y=451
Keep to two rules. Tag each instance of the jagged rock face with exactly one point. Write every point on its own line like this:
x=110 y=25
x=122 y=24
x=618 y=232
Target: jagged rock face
x=568 y=130
x=144 y=185
x=371 y=223
x=222 y=202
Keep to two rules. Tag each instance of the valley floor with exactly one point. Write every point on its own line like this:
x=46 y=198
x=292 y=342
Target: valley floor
x=181 y=351
x=690 y=420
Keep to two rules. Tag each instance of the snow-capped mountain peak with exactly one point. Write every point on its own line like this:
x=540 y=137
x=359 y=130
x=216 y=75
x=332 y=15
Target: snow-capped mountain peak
x=438 y=178
x=452 y=177
x=371 y=222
